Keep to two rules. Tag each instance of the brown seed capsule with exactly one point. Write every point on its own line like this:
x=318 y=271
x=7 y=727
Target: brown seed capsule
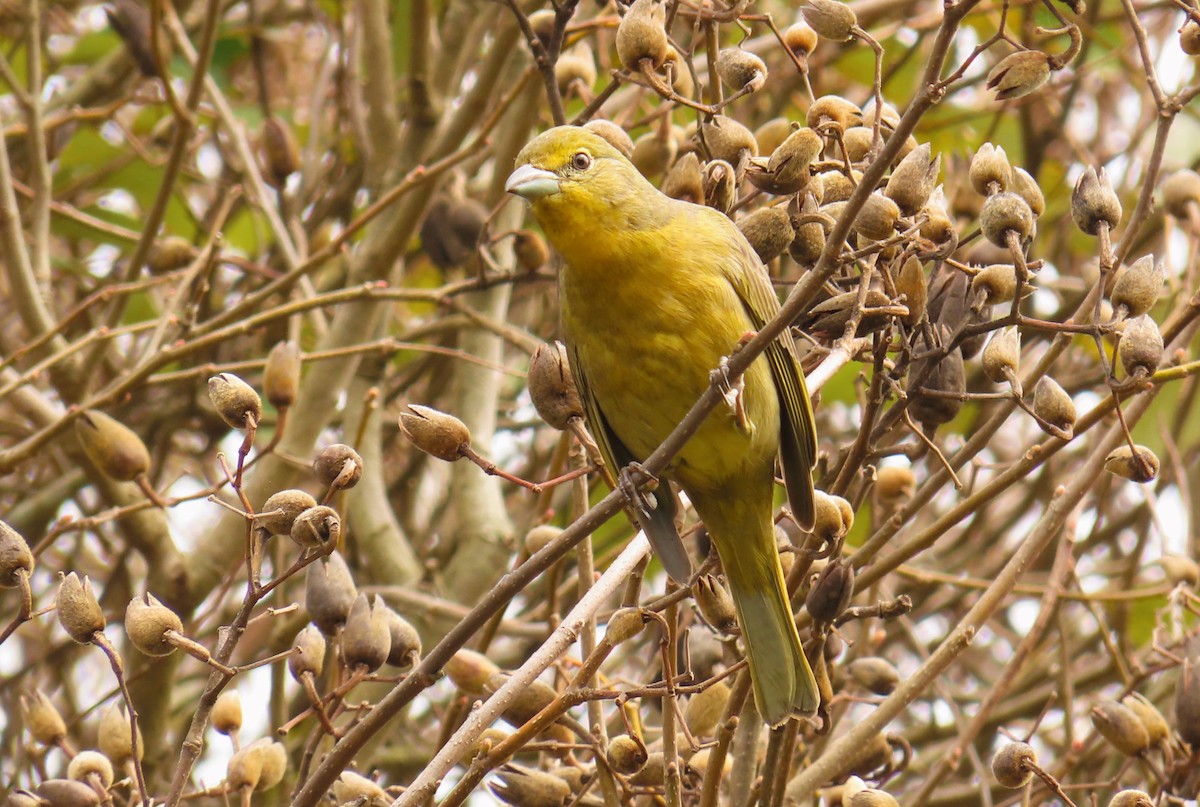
x=436 y=433
x=131 y=20
x=112 y=447
x=1019 y=74
x=41 y=719
x=720 y=186
x=366 y=639
x=1027 y=188
x=244 y=769
x=1141 y=346
x=311 y=658
x=769 y=231
x=88 y=764
x=837 y=187
x=894 y=483
x=1180 y=191
x=528 y=701
x=1002 y=356
x=790 y=162
x=575 y=69
x=67 y=793
x=274 y=763
x=727 y=139
x=281 y=375
x=452 y=229
x=624 y=624
x=681 y=76
x=741 y=70
x=530 y=249
x=114 y=737
x=528 y=787
x=1013 y=765
x=830 y=19
x=994 y=284
x=914 y=179
x=540 y=537
x=24 y=798
x=990 y=171
x=874 y=674
x=317 y=527
x=280 y=510
x=715 y=603
x=1141 y=468
x=1120 y=726
x=1152 y=719
x=614 y=134
x=704 y=709
x=1052 y=404
x=809 y=243
x=642 y=35
x=626 y=755
x=542 y=22
x=1094 y=203
x=77 y=608
x=870 y=797
x=16 y=560
x=800 y=38
x=146 y=623
x=338 y=461
x=329 y=593
x=1131 y=798
x=771 y=134
x=833 y=111
x=827 y=521
x=552 y=387
x=227 y=713
x=685 y=180
x=1005 y=213
x=1136 y=289
x=911 y=285
x=858 y=141
x=1180 y=570
x=406 y=642
x=832 y=591
x=939 y=230
x=1189 y=38
x=168 y=254
x=653 y=773
x=236 y=401
x=1187 y=702
x=470 y=671
x=947 y=375
x=877 y=218
x=353 y=788
x=280 y=154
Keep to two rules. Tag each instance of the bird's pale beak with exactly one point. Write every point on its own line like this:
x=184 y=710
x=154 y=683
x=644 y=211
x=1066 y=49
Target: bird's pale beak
x=532 y=183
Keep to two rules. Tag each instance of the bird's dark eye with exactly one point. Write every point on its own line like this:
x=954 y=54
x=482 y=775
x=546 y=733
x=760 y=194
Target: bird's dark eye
x=581 y=161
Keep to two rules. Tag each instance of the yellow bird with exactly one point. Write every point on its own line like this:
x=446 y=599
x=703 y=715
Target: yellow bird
x=655 y=292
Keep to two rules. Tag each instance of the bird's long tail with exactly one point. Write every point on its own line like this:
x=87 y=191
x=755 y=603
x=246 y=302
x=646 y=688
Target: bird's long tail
x=784 y=686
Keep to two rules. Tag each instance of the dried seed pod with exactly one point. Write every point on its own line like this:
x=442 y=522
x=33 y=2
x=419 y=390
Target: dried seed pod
x=528 y=787
x=1005 y=213
x=685 y=180
x=653 y=154
x=329 y=592
x=406 y=642
x=832 y=591
x=1152 y=719
x=1094 y=203
x=874 y=674
x=280 y=510
x=1180 y=570
x=244 y=769
x=1052 y=404
x=727 y=139
x=112 y=447
x=790 y=162
x=1019 y=74
x=870 y=797
x=530 y=248
x=809 y=243
x=1141 y=467
x=1120 y=726
x=912 y=182
x=280 y=154
x=452 y=229
x=227 y=713
x=317 y=527
x=470 y=671
x=146 y=623
x=837 y=187
x=575 y=68
x=366 y=639
x=877 y=218
x=720 y=186
x=87 y=764
x=653 y=773
x=1189 y=38
x=274 y=763
x=1187 y=702
x=1027 y=188
x=1131 y=798
x=994 y=284
x=41 y=719
x=911 y=284
x=168 y=254
x=939 y=230
x=894 y=483
x=1002 y=356
x=1013 y=765
x=681 y=76
x=15 y=557
x=540 y=537
x=704 y=709
x=990 y=170
x=858 y=141
x=617 y=137
x=1141 y=346
x=830 y=19
x=436 y=433
x=236 y=401
x=131 y=20
x=311 y=658
x=78 y=610
x=528 y=701
x=67 y=793
x=24 y=798
x=771 y=134
x=715 y=603
x=800 y=38
x=827 y=518
x=332 y=460
x=626 y=755
x=1136 y=289
x=542 y=22
x=552 y=387
x=624 y=624
x=1180 y=191
x=833 y=111
x=353 y=788
x=769 y=231
x=114 y=737
x=642 y=35
x=947 y=375
x=281 y=375
x=741 y=70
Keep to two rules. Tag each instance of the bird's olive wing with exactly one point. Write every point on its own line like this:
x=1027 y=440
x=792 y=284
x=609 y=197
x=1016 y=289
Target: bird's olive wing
x=798 y=437
x=658 y=523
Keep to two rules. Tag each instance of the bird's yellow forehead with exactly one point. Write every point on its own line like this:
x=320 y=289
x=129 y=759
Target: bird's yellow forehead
x=553 y=149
